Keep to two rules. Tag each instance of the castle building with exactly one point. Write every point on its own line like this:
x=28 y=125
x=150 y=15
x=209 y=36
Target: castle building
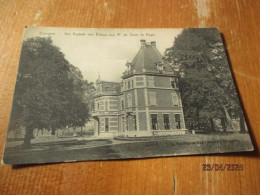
x=147 y=102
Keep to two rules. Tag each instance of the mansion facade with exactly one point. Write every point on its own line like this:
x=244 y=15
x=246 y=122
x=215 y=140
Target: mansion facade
x=147 y=102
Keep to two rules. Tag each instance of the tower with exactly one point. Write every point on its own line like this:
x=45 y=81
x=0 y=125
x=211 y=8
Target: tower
x=150 y=100
x=106 y=109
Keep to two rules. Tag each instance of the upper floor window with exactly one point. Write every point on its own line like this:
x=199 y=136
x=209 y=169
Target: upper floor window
x=99 y=88
x=125 y=85
x=106 y=106
x=122 y=105
x=160 y=67
x=150 y=81
x=152 y=98
x=129 y=100
x=175 y=99
x=174 y=82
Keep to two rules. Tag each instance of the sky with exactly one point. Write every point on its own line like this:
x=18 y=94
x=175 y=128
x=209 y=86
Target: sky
x=102 y=52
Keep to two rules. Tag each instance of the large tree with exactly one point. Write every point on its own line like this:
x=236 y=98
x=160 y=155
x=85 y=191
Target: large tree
x=206 y=83
x=79 y=107
x=89 y=90
x=46 y=89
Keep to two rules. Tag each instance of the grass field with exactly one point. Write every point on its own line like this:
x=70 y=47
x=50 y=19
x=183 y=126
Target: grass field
x=101 y=149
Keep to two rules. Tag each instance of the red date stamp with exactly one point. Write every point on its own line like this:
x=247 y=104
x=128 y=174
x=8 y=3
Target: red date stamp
x=223 y=167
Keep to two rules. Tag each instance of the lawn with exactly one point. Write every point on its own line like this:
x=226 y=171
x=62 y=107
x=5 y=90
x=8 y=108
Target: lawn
x=101 y=149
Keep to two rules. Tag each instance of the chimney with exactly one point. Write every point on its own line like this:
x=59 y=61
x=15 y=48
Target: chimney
x=143 y=42
x=153 y=43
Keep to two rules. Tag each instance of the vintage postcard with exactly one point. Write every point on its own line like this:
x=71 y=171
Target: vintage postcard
x=98 y=94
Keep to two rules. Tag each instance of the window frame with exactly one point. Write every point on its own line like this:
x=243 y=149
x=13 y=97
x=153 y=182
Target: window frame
x=152 y=121
x=175 y=97
x=177 y=123
x=150 y=81
x=154 y=103
x=129 y=97
x=169 y=123
x=106 y=124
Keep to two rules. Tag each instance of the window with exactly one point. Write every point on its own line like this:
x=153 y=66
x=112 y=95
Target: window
x=99 y=87
x=123 y=123
x=135 y=121
x=178 y=121
x=175 y=99
x=154 y=121
x=129 y=85
x=132 y=83
x=106 y=106
x=129 y=100
x=150 y=81
x=122 y=105
x=98 y=106
x=174 y=82
x=160 y=68
x=121 y=87
x=152 y=98
x=125 y=85
x=106 y=124
x=166 y=121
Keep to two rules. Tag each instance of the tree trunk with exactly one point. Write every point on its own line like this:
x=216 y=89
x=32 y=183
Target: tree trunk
x=212 y=124
x=223 y=123
x=57 y=133
x=27 y=138
x=198 y=120
x=242 y=123
x=229 y=120
x=81 y=130
x=52 y=131
x=75 y=132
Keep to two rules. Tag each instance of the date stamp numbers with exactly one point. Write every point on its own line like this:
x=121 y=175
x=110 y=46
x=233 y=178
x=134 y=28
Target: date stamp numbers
x=222 y=167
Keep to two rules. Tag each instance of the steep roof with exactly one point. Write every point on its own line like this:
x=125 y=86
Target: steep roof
x=147 y=58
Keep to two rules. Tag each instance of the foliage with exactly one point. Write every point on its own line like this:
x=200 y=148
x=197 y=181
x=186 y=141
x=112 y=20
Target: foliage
x=49 y=90
x=206 y=83
x=89 y=90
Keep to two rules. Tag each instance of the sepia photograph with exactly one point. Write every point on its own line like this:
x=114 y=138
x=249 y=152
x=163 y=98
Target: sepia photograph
x=86 y=94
